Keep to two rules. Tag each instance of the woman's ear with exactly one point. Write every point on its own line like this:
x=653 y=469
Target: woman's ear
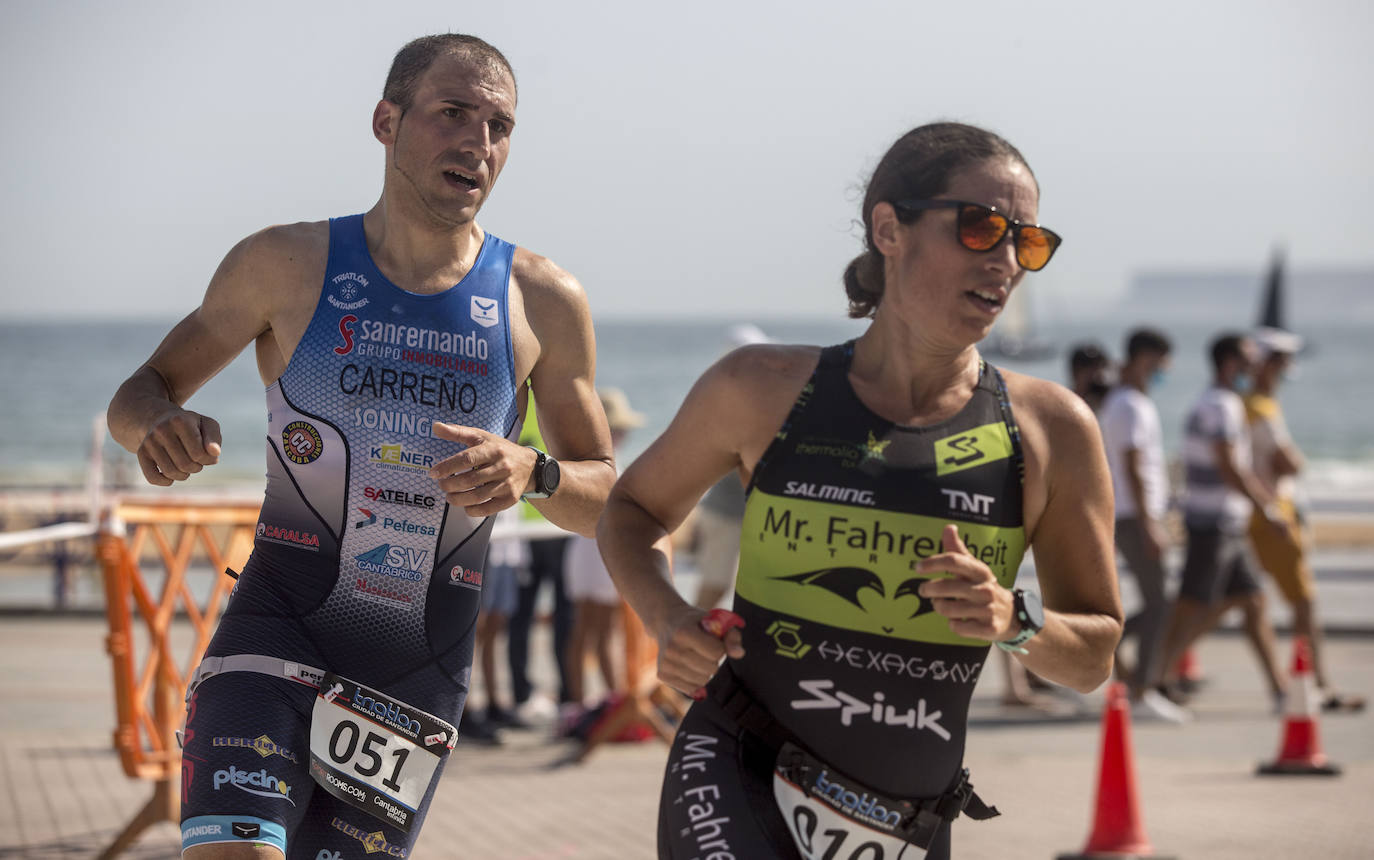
x=885 y=228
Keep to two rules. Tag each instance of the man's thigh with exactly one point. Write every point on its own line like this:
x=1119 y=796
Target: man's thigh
x=1203 y=578
x=245 y=761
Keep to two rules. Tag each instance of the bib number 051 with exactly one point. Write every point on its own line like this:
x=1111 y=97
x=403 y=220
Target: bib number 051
x=374 y=752
x=365 y=759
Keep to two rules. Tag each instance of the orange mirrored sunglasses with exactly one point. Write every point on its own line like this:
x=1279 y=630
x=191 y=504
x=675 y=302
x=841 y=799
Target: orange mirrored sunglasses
x=981 y=228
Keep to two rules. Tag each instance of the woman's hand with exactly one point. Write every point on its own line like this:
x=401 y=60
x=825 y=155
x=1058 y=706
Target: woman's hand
x=688 y=655
x=971 y=598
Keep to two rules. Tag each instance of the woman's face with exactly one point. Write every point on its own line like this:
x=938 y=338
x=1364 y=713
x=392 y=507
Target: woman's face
x=934 y=281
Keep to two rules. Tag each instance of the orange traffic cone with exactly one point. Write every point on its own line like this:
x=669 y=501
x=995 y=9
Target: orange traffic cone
x=1300 y=750
x=1117 y=830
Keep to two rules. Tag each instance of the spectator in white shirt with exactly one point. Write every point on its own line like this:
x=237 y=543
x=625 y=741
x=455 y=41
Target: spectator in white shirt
x=1135 y=454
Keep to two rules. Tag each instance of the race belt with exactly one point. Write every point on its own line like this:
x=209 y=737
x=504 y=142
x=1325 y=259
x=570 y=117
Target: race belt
x=814 y=798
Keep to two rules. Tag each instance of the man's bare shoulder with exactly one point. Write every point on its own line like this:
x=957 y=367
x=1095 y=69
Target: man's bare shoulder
x=541 y=277
x=285 y=250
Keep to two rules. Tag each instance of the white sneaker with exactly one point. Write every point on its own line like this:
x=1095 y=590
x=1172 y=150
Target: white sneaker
x=538 y=709
x=1153 y=706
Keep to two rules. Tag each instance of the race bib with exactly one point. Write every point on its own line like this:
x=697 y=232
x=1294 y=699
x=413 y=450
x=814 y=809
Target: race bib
x=374 y=752
x=832 y=818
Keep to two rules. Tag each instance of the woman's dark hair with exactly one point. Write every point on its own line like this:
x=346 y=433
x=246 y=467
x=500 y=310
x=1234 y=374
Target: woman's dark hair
x=416 y=57
x=918 y=166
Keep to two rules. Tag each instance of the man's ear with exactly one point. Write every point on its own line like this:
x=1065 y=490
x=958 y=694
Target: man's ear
x=386 y=120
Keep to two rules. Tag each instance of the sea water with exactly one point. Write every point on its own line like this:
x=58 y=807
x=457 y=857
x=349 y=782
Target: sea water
x=55 y=378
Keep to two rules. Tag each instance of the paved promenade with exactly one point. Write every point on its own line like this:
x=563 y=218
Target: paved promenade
x=63 y=795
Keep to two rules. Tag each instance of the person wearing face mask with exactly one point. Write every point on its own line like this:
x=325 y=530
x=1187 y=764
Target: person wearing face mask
x=1277 y=464
x=1090 y=374
x=1134 y=443
x=1220 y=492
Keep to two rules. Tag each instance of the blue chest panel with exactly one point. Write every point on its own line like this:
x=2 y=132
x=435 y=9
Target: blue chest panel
x=354 y=530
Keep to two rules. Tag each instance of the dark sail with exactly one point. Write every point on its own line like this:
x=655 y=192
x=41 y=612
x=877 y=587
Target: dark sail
x=1271 y=312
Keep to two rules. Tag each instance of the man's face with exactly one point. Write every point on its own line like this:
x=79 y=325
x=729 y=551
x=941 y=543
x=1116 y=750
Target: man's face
x=1243 y=363
x=1273 y=368
x=1155 y=363
x=446 y=150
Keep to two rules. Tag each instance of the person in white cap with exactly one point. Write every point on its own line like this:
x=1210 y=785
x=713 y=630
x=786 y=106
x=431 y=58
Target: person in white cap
x=1277 y=462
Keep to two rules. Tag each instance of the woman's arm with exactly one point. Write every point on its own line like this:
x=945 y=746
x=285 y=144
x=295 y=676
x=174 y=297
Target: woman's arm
x=726 y=422
x=1069 y=519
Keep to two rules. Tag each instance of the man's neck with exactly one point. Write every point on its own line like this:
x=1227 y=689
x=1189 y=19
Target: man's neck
x=1135 y=376
x=420 y=254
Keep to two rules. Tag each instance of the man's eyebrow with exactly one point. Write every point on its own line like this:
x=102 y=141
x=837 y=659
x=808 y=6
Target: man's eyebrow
x=510 y=120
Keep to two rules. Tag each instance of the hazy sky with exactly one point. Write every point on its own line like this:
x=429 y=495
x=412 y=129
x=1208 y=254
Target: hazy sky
x=701 y=159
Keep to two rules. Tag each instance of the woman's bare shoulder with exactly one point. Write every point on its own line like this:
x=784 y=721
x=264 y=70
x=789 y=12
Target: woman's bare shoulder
x=1046 y=405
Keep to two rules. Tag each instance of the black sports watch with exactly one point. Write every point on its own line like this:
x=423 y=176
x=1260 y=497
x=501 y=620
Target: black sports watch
x=1031 y=613
x=546 y=473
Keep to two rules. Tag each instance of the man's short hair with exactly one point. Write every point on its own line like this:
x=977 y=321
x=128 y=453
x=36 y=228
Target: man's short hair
x=1087 y=356
x=1225 y=347
x=1147 y=341
x=415 y=58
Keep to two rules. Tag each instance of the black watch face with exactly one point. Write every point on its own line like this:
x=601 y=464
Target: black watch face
x=552 y=475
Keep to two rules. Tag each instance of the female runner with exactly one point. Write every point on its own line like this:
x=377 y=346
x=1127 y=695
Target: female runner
x=894 y=483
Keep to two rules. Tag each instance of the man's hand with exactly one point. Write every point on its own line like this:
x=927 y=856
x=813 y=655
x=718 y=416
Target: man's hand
x=1277 y=522
x=489 y=475
x=975 y=604
x=179 y=444
x=1156 y=539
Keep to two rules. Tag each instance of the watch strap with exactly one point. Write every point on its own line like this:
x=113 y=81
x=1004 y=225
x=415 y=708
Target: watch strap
x=541 y=490
x=1028 y=630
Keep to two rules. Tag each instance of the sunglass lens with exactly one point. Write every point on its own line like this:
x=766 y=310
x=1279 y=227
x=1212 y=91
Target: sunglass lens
x=980 y=228
x=1034 y=246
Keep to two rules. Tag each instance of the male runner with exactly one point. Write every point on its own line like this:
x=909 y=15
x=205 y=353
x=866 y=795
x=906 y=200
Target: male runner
x=395 y=346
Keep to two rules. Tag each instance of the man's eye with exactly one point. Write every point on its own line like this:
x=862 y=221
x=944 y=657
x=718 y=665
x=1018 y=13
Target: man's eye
x=451 y=112
x=500 y=127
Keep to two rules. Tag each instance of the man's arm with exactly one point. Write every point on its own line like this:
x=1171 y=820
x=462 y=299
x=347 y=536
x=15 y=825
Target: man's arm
x=1238 y=477
x=1287 y=459
x=1135 y=480
x=492 y=473
x=146 y=414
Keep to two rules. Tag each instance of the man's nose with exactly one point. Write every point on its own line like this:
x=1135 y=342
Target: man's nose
x=477 y=139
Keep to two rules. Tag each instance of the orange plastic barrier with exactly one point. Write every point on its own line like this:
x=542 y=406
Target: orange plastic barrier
x=150 y=678
x=643 y=695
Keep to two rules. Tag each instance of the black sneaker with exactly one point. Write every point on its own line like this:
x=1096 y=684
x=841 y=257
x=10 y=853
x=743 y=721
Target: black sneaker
x=474 y=730
x=499 y=717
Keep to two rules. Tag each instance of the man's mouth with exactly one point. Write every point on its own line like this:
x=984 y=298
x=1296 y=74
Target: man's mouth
x=464 y=180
